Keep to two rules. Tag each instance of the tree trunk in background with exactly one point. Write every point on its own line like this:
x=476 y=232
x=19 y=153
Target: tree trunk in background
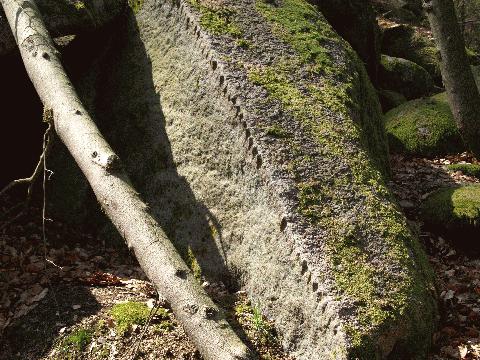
x=201 y=318
x=457 y=76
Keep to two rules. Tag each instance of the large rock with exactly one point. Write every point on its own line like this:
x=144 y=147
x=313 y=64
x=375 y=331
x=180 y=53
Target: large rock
x=254 y=134
x=405 y=77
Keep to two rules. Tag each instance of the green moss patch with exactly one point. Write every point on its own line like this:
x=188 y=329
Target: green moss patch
x=128 y=314
x=74 y=344
x=300 y=25
x=467 y=169
x=193 y=264
x=456 y=211
x=79 y=339
x=277 y=132
x=423 y=127
x=217 y=21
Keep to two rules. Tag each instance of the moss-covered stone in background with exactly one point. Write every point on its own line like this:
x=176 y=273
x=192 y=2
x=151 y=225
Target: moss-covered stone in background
x=423 y=127
x=405 y=77
x=390 y=99
x=406 y=42
x=456 y=210
x=466 y=169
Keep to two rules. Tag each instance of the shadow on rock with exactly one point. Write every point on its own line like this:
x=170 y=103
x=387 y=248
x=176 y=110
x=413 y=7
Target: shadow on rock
x=128 y=111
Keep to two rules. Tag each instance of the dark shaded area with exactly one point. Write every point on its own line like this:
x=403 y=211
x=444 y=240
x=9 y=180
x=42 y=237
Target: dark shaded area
x=355 y=21
x=390 y=99
x=32 y=336
x=22 y=131
x=63 y=17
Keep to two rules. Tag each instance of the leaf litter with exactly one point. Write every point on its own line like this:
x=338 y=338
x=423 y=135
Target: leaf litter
x=58 y=306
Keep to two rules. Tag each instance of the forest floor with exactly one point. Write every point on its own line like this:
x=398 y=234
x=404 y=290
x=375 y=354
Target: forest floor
x=92 y=301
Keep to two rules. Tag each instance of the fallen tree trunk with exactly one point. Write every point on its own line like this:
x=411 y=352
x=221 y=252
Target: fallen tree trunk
x=201 y=318
x=66 y=17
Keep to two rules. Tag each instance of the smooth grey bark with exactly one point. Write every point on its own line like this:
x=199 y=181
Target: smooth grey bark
x=462 y=92
x=66 y=17
x=202 y=319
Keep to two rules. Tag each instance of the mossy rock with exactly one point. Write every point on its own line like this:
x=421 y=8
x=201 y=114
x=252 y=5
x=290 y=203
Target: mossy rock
x=405 y=77
x=405 y=42
x=318 y=153
x=456 y=211
x=423 y=127
x=467 y=169
x=390 y=99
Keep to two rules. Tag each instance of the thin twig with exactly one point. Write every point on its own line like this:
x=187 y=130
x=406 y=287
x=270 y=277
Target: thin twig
x=47 y=139
x=138 y=340
x=36 y=173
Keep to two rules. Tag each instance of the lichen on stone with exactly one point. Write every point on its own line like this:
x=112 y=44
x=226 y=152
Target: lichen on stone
x=135 y=5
